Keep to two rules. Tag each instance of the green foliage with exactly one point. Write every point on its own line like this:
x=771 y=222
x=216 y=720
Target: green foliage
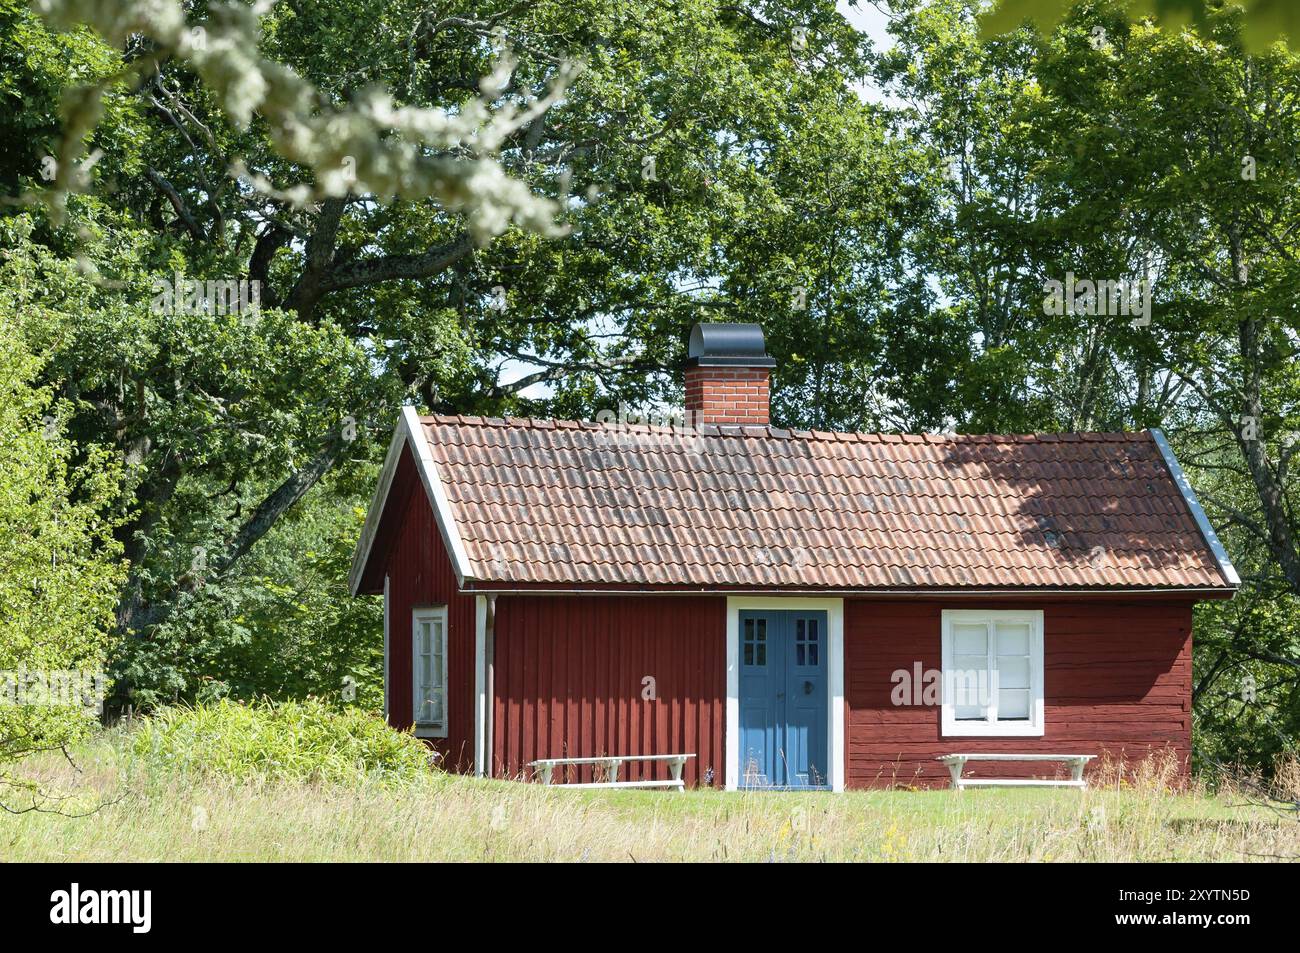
x=226 y=424
x=1265 y=21
x=303 y=741
x=368 y=145
x=711 y=162
x=1159 y=152
x=60 y=565
x=282 y=625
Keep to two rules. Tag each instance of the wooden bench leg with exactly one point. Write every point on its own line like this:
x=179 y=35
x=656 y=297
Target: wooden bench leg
x=955 y=768
x=544 y=773
x=1076 y=769
x=611 y=770
x=675 y=766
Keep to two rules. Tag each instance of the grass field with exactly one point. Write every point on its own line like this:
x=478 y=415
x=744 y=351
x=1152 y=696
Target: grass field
x=143 y=813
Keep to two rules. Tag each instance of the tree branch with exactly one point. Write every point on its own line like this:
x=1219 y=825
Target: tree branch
x=177 y=203
x=368 y=271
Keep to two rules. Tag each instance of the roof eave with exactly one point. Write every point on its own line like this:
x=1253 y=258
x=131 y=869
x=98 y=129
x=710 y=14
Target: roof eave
x=502 y=587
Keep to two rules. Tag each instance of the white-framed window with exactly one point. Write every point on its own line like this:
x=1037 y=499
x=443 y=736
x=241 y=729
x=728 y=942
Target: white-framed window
x=429 y=671
x=992 y=672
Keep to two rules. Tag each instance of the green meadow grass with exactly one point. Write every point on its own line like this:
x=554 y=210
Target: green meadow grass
x=142 y=808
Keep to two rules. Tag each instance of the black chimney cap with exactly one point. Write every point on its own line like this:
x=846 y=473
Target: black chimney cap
x=728 y=345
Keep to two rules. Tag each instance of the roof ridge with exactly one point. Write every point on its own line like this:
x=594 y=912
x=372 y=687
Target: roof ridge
x=767 y=430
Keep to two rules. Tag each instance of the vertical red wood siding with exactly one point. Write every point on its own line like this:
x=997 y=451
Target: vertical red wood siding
x=568 y=682
x=420 y=574
x=1117 y=679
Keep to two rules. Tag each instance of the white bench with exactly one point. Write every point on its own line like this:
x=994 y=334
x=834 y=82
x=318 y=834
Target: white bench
x=957 y=762
x=544 y=768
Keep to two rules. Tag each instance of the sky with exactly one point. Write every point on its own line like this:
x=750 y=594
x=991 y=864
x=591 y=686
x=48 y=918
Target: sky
x=867 y=19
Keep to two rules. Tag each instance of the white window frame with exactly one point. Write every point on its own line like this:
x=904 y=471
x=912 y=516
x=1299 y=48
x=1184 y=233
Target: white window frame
x=989 y=728
x=418 y=615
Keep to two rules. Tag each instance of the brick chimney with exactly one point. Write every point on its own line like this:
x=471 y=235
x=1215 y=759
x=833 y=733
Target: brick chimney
x=727 y=375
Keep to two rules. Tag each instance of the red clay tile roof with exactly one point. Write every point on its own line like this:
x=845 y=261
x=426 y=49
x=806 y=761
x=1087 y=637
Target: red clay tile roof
x=562 y=503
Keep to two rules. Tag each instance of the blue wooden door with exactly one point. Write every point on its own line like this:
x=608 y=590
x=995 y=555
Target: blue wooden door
x=805 y=700
x=783 y=699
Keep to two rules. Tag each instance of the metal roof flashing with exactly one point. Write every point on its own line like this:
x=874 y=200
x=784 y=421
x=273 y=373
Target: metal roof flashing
x=1194 y=505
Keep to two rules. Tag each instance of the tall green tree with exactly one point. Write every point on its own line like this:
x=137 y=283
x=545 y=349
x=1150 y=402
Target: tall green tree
x=687 y=119
x=1122 y=149
x=1189 y=145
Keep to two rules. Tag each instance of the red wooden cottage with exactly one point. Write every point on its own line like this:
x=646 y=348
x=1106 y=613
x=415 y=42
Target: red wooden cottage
x=793 y=608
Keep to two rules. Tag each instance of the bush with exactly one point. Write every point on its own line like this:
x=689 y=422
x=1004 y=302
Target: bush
x=291 y=740
x=60 y=565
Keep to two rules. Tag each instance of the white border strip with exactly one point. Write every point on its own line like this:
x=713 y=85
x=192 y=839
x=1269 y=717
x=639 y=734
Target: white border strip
x=409 y=432
x=480 y=685
x=1189 y=496
x=387 y=649
x=834 y=609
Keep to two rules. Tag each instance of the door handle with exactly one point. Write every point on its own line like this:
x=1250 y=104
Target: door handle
x=807 y=688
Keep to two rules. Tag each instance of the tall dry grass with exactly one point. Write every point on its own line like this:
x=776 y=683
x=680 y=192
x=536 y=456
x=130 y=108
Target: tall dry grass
x=149 y=814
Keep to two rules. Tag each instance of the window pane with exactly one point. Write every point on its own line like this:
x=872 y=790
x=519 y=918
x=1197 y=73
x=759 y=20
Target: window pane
x=969 y=713
x=1013 y=673
x=966 y=687
x=429 y=668
x=799 y=630
x=812 y=653
x=812 y=630
x=970 y=639
x=1013 y=639
x=799 y=654
x=1013 y=705
x=967 y=696
x=762 y=653
x=749 y=653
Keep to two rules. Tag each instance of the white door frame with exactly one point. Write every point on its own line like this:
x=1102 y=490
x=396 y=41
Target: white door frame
x=834 y=609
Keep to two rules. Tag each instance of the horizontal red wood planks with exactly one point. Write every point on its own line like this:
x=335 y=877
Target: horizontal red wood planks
x=1117 y=681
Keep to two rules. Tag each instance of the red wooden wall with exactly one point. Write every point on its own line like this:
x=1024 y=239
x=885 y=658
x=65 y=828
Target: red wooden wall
x=1117 y=677
x=420 y=574
x=569 y=673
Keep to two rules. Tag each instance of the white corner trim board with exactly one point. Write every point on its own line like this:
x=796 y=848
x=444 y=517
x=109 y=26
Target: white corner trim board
x=480 y=685
x=387 y=649
x=834 y=609
x=409 y=432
